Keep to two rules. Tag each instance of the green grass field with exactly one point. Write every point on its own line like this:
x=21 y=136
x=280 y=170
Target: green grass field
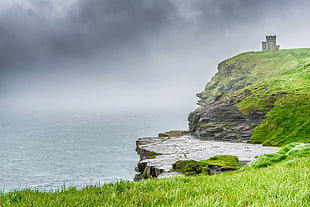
x=284 y=184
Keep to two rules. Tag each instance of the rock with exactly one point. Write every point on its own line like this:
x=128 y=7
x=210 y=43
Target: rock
x=175 y=133
x=170 y=175
x=221 y=120
x=187 y=147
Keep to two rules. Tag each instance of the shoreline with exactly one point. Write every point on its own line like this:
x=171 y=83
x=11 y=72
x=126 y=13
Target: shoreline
x=158 y=154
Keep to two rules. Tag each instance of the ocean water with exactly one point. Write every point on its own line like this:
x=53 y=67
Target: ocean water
x=51 y=151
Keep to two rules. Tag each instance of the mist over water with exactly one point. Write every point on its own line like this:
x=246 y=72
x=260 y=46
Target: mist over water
x=50 y=151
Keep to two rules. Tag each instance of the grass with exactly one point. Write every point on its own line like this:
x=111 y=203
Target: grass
x=261 y=95
x=291 y=150
x=247 y=68
x=154 y=155
x=284 y=184
x=288 y=121
x=287 y=98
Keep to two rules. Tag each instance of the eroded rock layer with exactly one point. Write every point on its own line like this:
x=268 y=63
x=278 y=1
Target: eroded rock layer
x=169 y=150
x=221 y=120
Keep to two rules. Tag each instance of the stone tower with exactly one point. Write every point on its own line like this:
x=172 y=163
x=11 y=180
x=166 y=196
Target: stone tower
x=270 y=43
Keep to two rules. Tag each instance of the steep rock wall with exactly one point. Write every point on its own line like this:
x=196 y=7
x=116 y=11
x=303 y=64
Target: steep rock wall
x=222 y=120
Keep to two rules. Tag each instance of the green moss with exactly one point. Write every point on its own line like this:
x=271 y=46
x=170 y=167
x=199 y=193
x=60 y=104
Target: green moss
x=204 y=126
x=144 y=174
x=154 y=155
x=223 y=127
x=222 y=162
x=191 y=167
x=291 y=150
x=175 y=133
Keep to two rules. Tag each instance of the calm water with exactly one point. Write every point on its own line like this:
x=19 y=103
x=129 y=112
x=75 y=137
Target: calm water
x=48 y=152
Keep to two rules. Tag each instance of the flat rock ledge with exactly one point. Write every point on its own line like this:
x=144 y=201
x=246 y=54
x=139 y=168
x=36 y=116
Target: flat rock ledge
x=158 y=154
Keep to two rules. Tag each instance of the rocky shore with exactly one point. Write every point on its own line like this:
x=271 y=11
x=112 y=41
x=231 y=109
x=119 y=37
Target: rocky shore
x=158 y=154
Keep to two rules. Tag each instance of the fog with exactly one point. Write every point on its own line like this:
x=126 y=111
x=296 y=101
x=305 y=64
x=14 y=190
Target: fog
x=134 y=55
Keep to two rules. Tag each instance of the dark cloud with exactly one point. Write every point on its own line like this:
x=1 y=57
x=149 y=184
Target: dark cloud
x=237 y=12
x=32 y=35
x=134 y=48
x=88 y=27
x=110 y=26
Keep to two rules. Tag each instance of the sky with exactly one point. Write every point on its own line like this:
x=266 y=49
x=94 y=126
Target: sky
x=131 y=55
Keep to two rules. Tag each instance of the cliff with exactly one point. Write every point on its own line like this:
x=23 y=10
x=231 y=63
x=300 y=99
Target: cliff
x=257 y=97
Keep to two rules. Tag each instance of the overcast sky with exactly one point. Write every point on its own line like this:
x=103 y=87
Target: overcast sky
x=131 y=54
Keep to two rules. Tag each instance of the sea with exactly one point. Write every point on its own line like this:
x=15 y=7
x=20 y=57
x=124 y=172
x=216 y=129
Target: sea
x=54 y=151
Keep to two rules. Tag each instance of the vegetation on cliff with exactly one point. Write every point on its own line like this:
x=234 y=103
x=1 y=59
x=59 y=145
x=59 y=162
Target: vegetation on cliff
x=277 y=82
x=287 y=96
x=284 y=184
x=247 y=68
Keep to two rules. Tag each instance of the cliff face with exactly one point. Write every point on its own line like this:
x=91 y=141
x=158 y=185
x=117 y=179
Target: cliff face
x=222 y=120
x=236 y=104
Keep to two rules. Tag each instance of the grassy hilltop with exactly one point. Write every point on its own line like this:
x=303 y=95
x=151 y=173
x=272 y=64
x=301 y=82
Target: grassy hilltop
x=247 y=68
x=274 y=81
